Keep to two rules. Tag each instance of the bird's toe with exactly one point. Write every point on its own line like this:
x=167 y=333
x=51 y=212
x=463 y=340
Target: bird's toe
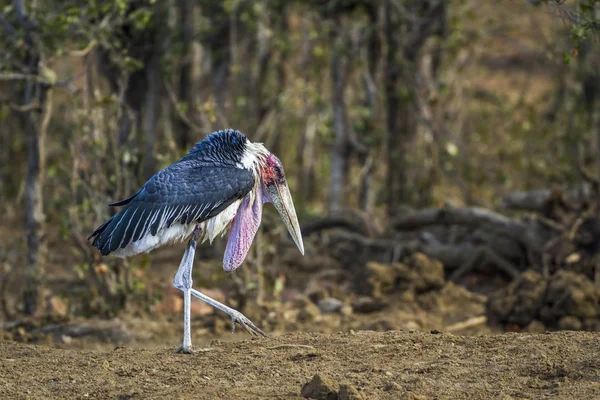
x=248 y=325
x=184 y=350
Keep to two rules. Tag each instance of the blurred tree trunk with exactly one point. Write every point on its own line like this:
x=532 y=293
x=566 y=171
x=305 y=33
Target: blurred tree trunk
x=340 y=149
x=5 y=150
x=139 y=89
x=370 y=54
x=278 y=28
x=217 y=41
x=398 y=119
x=306 y=144
x=408 y=24
x=427 y=89
x=34 y=213
x=589 y=73
x=307 y=161
x=186 y=84
x=150 y=114
x=263 y=58
x=283 y=31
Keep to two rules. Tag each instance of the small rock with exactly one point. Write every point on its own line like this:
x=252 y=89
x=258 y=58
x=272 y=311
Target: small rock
x=348 y=392
x=411 y=325
x=391 y=387
x=319 y=389
x=366 y=304
x=330 y=305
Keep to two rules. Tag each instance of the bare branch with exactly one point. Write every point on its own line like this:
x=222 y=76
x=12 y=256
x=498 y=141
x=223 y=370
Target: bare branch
x=566 y=13
x=27 y=107
x=85 y=51
x=17 y=76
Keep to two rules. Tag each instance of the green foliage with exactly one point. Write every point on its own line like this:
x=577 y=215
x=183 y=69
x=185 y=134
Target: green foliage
x=583 y=15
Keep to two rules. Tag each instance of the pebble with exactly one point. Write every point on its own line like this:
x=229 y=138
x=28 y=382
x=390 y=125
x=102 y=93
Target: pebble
x=330 y=305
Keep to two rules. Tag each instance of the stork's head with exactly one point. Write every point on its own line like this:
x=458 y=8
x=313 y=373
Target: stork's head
x=276 y=191
x=271 y=187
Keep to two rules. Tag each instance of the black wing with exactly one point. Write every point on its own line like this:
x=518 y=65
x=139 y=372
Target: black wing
x=183 y=192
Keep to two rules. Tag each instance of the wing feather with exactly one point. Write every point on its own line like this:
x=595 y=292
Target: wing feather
x=184 y=193
x=128 y=232
x=156 y=222
x=137 y=231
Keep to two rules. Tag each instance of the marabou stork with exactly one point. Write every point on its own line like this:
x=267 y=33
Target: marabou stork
x=224 y=178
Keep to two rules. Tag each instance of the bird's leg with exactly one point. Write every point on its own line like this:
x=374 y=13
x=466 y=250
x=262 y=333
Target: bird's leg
x=235 y=315
x=183 y=282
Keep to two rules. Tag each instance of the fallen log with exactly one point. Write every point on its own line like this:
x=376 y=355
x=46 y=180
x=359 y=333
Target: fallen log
x=352 y=224
x=460 y=258
x=470 y=216
x=544 y=201
x=463 y=238
x=528 y=232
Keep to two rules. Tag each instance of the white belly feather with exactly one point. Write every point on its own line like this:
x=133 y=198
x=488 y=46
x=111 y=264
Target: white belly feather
x=177 y=232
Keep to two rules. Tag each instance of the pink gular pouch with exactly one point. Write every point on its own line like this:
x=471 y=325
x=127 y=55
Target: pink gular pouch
x=244 y=228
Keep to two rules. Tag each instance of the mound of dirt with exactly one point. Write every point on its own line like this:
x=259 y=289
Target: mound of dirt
x=565 y=300
x=354 y=365
x=411 y=294
x=417 y=272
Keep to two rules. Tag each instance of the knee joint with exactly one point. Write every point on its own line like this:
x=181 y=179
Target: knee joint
x=182 y=283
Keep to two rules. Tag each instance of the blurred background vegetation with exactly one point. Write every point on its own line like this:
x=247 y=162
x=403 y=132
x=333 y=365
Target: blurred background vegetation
x=381 y=111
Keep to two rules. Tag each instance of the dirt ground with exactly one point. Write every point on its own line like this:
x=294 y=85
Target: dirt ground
x=373 y=365
x=380 y=342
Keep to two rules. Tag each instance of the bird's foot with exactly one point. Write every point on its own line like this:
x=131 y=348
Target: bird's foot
x=245 y=323
x=184 y=350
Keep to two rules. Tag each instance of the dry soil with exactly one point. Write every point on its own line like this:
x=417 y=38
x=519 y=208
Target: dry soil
x=374 y=365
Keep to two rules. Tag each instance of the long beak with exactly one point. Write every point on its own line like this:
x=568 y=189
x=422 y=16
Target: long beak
x=282 y=200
